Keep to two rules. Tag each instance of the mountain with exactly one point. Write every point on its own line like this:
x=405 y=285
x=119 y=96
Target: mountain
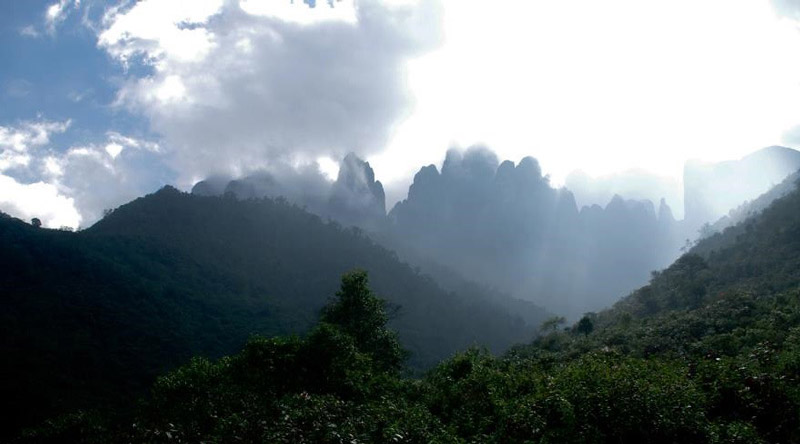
x=354 y=198
x=708 y=351
x=633 y=184
x=754 y=207
x=172 y=275
x=713 y=189
x=505 y=225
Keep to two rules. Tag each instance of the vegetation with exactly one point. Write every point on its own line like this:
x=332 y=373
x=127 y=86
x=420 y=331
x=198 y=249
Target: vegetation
x=171 y=276
x=709 y=351
x=334 y=386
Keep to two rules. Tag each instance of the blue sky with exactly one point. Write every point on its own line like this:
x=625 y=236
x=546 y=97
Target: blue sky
x=56 y=82
x=60 y=75
x=103 y=102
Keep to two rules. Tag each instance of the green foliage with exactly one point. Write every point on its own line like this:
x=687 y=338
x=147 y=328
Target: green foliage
x=362 y=316
x=701 y=354
x=329 y=387
x=171 y=276
x=585 y=325
x=552 y=324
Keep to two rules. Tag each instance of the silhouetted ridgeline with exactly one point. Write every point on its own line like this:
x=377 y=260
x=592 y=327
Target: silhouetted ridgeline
x=355 y=198
x=708 y=352
x=173 y=275
x=505 y=226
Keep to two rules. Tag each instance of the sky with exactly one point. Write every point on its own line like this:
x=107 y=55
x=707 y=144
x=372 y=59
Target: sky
x=104 y=102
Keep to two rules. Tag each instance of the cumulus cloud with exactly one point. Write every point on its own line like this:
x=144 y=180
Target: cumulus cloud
x=234 y=87
x=40 y=200
x=105 y=175
x=71 y=187
x=18 y=142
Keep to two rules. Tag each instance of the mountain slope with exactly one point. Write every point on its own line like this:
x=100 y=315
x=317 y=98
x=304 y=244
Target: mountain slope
x=701 y=354
x=713 y=189
x=754 y=207
x=505 y=225
x=172 y=275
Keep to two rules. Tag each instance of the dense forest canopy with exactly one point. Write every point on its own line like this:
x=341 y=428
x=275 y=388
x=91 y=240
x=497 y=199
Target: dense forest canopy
x=400 y=221
x=708 y=351
x=172 y=275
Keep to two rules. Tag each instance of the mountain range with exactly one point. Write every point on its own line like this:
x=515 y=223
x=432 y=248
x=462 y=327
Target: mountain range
x=505 y=226
x=707 y=351
x=172 y=275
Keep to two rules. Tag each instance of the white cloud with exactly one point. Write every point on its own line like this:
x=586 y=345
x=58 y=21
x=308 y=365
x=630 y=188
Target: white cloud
x=344 y=10
x=40 y=200
x=160 y=30
x=113 y=149
x=17 y=141
x=71 y=187
x=106 y=175
x=603 y=86
x=238 y=87
x=57 y=12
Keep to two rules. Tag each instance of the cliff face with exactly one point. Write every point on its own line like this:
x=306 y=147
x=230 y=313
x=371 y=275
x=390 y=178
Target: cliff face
x=355 y=198
x=504 y=224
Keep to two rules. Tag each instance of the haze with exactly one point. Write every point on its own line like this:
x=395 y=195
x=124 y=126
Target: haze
x=103 y=104
x=400 y=221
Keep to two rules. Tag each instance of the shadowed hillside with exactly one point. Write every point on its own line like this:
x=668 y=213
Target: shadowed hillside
x=173 y=275
x=708 y=352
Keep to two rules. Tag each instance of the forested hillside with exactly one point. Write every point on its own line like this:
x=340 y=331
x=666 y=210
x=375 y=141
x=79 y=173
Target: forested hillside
x=172 y=275
x=709 y=351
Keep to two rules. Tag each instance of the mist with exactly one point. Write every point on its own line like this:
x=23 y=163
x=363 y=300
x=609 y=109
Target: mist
x=411 y=221
x=502 y=224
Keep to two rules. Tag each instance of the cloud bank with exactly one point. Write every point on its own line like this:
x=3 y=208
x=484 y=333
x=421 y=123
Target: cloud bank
x=232 y=88
x=70 y=187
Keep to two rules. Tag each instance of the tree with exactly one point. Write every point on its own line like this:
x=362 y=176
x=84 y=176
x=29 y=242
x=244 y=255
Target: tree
x=36 y=222
x=552 y=324
x=362 y=315
x=705 y=231
x=586 y=324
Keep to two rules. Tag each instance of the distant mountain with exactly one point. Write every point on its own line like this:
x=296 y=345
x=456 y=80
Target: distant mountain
x=711 y=190
x=633 y=184
x=355 y=198
x=173 y=275
x=708 y=351
x=503 y=224
x=722 y=322
x=754 y=207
